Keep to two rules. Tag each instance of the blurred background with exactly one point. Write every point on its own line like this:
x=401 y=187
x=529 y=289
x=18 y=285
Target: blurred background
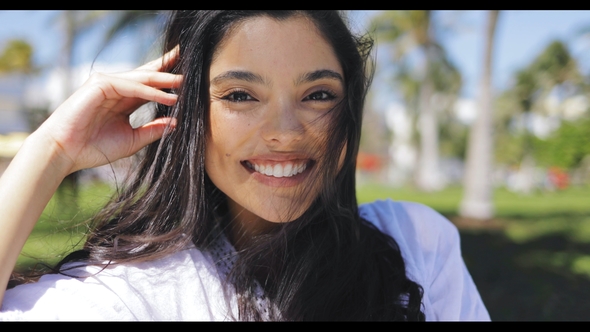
x=482 y=115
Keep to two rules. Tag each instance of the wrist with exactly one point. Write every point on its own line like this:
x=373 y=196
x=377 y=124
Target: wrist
x=45 y=152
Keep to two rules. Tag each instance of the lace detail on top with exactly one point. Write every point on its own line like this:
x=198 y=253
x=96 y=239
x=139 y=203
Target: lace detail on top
x=224 y=256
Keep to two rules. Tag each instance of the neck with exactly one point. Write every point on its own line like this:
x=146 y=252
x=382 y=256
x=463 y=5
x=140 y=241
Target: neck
x=242 y=225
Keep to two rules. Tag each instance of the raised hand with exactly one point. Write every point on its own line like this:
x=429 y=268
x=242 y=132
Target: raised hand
x=91 y=128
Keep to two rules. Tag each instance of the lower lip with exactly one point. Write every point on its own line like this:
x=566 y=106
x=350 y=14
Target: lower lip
x=272 y=181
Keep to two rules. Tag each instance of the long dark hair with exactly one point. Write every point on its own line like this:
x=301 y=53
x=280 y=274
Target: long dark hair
x=328 y=264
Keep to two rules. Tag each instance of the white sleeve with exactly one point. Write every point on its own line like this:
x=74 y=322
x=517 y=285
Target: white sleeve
x=431 y=248
x=57 y=297
x=450 y=288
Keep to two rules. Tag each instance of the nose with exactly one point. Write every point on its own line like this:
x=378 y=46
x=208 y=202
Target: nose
x=282 y=126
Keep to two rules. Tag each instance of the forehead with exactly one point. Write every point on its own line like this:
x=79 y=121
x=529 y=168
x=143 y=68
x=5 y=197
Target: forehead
x=292 y=44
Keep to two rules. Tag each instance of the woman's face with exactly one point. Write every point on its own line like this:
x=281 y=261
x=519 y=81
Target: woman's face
x=271 y=84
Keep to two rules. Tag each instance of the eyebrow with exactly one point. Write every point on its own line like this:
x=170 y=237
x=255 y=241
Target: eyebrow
x=319 y=74
x=239 y=75
x=254 y=78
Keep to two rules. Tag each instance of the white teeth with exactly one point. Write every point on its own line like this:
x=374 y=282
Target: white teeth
x=268 y=170
x=287 y=169
x=278 y=170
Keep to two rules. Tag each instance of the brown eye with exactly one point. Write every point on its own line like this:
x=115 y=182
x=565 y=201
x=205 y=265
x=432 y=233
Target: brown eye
x=238 y=96
x=320 y=96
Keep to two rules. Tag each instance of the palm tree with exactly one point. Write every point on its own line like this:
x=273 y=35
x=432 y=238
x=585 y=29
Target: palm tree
x=409 y=31
x=74 y=23
x=554 y=70
x=17 y=57
x=477 y=196
x=16 y=68
x=142 y=23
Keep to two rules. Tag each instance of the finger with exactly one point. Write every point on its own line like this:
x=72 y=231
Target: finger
x=118 y=88
x=151 y=132
x=171 y=57
x=153 y=79
x=164 y=62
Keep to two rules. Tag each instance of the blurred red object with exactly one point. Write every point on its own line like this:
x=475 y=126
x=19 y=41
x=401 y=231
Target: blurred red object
x=368 y=162
x=558 y=177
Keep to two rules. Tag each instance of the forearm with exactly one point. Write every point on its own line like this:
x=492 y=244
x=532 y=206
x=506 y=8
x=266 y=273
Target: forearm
x=26 y=187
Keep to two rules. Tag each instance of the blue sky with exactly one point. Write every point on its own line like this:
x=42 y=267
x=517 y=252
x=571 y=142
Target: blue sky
x=521 y=35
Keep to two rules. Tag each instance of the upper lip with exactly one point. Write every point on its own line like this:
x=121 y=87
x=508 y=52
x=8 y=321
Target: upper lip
x=279 y=157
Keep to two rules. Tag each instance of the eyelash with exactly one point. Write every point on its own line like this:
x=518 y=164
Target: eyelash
x=329 y=95
x=231 y=97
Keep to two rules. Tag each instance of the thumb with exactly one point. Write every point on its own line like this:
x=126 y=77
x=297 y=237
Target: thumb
x=151 y=132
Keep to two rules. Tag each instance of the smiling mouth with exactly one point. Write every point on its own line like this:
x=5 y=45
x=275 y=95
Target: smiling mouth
x=283 y=169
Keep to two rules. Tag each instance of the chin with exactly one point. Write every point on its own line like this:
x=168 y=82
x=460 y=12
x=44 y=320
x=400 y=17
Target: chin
x=282 y=209
x=284 y=215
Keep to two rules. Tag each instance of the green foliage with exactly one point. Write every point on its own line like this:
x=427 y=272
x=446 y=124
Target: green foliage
x=566 y=147
x=375 y=136
x=411 y=34
x=17 y=57
x=555 y=65
x=510 y=148
x=453 y=138
x=408 y=86
x=134 y=21
x=445 y=76
x=553 y=70
x=407 y=29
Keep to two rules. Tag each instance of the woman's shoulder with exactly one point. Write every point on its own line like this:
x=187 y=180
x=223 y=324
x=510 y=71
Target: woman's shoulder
x=180 y=286
x=426 y=238
x=431 y=248
x=409 y=220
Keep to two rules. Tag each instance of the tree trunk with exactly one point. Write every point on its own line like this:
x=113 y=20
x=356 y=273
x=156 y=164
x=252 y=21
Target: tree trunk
x=428 y=177
x=71 y=182
x=477 y=196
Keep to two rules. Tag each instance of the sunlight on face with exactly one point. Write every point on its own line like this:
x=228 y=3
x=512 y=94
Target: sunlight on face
x=271 y=82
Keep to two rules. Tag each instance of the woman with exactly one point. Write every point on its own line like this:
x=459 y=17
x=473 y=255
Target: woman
x=244 y=205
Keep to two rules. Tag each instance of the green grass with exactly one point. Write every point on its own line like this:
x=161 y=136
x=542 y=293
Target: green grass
x=445 y=202
x=574 y=200
x=62 y=225
x=523 y=217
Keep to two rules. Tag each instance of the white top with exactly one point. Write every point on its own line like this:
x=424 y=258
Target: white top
x=188 y=285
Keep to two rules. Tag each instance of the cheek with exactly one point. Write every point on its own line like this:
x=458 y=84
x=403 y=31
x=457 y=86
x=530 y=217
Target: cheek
x=223 y=132
x=229 y=138
x=217 y=146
